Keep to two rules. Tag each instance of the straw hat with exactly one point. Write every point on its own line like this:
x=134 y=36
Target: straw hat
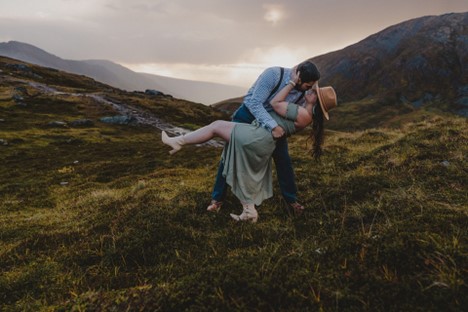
x=327 y=99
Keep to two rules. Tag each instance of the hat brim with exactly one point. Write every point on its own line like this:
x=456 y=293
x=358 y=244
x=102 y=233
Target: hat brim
x=320 y=97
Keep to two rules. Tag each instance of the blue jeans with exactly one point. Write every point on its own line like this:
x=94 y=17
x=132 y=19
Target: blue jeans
x=284 y=169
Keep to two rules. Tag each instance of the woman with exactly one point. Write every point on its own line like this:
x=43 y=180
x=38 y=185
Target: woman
x=247 y=159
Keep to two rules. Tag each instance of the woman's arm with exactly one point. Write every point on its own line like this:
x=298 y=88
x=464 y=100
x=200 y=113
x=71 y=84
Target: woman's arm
x=304 y=116
x=278 y=101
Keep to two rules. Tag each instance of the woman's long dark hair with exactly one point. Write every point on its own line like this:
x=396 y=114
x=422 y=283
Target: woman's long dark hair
x=316 y=135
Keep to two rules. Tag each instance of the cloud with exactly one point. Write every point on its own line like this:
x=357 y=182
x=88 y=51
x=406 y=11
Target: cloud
x=212 y=34
x=241 y=73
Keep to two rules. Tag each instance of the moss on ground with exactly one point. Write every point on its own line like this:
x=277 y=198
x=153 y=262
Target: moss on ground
x=101 y=218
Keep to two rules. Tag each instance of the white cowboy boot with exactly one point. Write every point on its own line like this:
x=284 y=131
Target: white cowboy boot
x=175 y=142
x=249 y=214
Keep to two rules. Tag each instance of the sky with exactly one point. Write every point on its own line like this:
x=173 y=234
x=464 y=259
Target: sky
x=223 y=41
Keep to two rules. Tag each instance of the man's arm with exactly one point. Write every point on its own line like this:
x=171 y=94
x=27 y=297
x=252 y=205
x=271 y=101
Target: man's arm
x=285 y=109
x=262 y=88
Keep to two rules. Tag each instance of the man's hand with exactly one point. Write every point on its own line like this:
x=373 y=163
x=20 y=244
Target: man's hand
x=295 y=75
x=277 y=132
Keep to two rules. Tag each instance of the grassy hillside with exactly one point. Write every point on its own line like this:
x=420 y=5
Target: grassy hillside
x=229 y=106
x=101 y=218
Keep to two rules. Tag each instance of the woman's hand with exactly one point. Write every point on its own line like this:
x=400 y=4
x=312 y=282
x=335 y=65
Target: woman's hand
x=277 y=132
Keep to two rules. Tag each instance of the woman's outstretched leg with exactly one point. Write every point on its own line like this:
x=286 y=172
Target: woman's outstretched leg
x=218 y=128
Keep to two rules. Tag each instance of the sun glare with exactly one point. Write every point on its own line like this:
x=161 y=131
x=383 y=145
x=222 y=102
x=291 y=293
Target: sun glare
x=273 y=14
x=240 y=74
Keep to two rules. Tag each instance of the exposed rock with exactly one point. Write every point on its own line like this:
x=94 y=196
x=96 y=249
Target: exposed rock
x=119 y=119
x=153 y=92
x=57 y=124
x=22 y=90
x=445 y=163
x=81 y=123
x=3 y=142
x=20 y=67
x=17 y=98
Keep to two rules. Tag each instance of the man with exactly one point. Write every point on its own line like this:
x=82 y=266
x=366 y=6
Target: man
x=256 y=105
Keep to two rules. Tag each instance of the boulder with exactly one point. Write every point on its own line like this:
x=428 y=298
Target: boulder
x=81 y=123
x=57 y=124
x=153 y=92
x=119 y=119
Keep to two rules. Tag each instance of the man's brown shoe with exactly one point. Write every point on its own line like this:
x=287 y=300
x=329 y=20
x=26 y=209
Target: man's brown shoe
x=297 y=208
x=214 y=206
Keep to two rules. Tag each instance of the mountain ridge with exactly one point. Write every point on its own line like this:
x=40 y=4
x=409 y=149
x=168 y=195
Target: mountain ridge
x=396 y=62
x=121 y=77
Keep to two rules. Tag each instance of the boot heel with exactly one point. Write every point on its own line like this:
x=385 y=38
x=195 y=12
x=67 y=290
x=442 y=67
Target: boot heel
x=174 y=142
x=249 y=214
x=251 y=219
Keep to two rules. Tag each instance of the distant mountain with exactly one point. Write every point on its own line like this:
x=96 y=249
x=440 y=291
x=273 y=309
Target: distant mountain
x=230 y=105
x=122 y=77
x=418 y=61
x=30 y=90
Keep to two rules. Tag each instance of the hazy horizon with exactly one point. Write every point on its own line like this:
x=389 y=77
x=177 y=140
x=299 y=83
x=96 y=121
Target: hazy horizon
x=209 y=40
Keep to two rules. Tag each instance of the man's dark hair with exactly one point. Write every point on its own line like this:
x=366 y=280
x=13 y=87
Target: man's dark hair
x=308 y=72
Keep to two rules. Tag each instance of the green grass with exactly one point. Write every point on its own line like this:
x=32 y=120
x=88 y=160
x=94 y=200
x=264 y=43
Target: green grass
x=385 y=227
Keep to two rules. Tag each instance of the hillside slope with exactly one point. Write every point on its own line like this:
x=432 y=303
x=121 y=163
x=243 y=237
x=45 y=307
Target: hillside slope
x=27 y=82
x=416 y=62
x=99 y=217
x=121 y=77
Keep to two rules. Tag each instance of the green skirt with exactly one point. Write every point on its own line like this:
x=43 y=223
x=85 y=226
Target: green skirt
x=247 y=163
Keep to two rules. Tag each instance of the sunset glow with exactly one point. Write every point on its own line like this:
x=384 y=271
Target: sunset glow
x=222 y=41
x=273 y=14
